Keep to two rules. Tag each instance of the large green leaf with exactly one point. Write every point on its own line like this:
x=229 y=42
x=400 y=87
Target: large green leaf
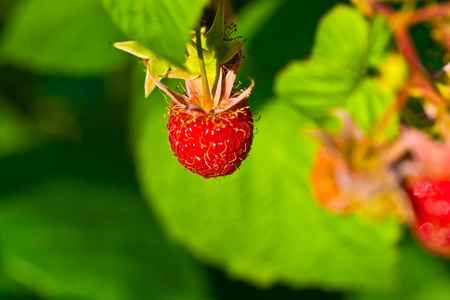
x=73 y=239
x=261 y=224
x=64 y=37
x=163 y=26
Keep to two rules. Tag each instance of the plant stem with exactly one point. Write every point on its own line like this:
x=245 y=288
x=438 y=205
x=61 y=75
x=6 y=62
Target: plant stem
x=419 y=76
x=429 y=13
x=206 y=100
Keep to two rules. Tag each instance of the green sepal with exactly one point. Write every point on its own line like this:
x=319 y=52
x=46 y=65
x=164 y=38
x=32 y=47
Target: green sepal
x=158 y=68
x=215 y=42
x=216 y=52
x=134 y=48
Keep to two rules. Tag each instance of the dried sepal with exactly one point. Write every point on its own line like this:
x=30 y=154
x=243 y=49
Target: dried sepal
x=353 y=174
x=223 y=95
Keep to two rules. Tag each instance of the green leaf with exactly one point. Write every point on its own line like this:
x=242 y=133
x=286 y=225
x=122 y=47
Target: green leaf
x=336 y=66
x=311 y=86
x=315 y=84
x=338 y=75
x=345 y=36
x=342 y=36
x=73 y=239
x=62 y=37
x=134 y=48
x=163 y=26
x=261 y=224
x=379 y=38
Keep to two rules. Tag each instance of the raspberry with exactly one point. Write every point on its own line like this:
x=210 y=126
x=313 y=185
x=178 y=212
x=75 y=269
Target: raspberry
x=210 y=123
x=431 y=202
x=427 y=182
x=211 y=145
x=213 y=142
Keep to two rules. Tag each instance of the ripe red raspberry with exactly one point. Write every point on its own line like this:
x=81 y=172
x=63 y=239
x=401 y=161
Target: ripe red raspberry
x=210 y=142
x=210 y=123
x=427 y=183
x=211 y=145
x=431 y=202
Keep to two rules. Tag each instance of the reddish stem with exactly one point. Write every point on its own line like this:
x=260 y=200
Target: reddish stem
x=382 y=8
x=419 y=76
x=430 y=12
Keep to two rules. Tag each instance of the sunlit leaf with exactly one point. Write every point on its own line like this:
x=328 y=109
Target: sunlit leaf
x=63 y=37
x=163 y=26
x=332 y=73
x=379 y=38
x=261 y=224
x=338 y=74
x=316 y=84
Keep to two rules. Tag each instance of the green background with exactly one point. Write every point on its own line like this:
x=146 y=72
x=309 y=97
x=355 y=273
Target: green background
x=93 y=205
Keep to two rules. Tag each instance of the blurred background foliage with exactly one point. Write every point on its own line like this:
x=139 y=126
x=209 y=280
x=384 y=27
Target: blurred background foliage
x=94 y=206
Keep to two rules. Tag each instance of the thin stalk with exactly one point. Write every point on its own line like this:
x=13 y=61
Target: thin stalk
x=429 y=13
x=419 y=77
x=206 y=101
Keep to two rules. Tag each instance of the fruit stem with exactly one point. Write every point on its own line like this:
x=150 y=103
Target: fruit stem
x=206 y=101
